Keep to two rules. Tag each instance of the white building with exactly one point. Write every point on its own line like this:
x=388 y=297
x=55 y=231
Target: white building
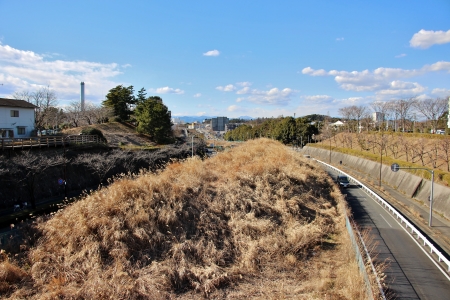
x=16 y=118
x=378 y=117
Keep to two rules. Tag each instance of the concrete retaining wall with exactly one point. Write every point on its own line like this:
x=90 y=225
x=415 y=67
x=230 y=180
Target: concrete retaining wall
x=411 y=185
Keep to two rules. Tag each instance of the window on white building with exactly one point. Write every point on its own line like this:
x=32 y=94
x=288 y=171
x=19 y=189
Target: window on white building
x=20 y=130
x=15 y=113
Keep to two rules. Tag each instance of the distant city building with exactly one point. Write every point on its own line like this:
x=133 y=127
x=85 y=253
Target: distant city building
x=377 y=117
x=218 y=124
x=177 y=121
x=194 y=125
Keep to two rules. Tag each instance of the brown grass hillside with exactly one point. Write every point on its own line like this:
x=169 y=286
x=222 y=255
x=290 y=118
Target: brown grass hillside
x=256 y=222
x=116 y=133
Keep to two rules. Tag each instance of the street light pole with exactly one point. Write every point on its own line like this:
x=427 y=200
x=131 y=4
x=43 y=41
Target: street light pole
x=396 y=167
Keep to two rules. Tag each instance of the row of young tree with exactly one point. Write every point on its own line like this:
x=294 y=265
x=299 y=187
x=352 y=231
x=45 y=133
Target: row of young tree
x=434 y=152
x=397 y=115
x=288 y=130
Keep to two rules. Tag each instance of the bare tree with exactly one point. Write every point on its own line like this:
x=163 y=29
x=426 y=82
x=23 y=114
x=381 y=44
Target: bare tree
x=382 y=108
x=432 y=109
x=420 y=150
x=402 y=110
x=43 y=98
x=406 y=146
x=346 y=113
x=444 y=145
x=29 y=165
x=358 y=113
x=393 y=145
x=74 y=113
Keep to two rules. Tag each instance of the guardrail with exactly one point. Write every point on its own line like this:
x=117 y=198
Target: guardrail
x=47 y=141
x=398 y=215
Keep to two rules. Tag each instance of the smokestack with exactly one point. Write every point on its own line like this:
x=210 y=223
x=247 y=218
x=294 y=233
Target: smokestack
x=82 y=96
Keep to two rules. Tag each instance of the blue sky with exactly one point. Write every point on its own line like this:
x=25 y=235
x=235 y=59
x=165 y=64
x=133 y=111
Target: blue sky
x=230 y=58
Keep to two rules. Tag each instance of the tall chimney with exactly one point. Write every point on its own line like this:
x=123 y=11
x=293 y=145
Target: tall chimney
x=82 y=96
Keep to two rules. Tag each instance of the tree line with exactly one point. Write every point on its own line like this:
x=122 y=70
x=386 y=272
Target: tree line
x=149 y=114
x=288 y=130
x=397 y=115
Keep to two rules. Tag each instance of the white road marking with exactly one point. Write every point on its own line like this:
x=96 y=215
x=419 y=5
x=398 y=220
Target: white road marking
x=385 y=220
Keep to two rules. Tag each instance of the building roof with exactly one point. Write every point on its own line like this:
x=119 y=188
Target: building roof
x=16 y=103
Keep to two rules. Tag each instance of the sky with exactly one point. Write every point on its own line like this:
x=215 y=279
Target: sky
x=229 y=58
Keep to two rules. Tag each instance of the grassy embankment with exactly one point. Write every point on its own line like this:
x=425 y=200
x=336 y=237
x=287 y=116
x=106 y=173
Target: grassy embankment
x=428 y=144
x=258 y=221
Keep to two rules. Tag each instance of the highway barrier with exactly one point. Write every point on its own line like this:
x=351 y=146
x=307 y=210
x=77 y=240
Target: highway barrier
x=403 y=221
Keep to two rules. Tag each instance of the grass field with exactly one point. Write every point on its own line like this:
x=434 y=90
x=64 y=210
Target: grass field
x=257 y=221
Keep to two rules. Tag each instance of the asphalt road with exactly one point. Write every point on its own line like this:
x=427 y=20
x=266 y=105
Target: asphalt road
x=411 y=273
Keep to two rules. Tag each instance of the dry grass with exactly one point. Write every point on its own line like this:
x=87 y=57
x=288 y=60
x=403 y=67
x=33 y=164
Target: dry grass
x=258 y=222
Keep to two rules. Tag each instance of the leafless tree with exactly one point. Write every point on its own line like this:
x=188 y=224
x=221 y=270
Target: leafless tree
x=432 y=109
x=393 y=145
x=433 y=155
x=362 y=142
x=30 y=164
x=346 y=113
x=74 y=113
x=405 y=146
x=420 y=150
x=43 y=98
x=444 y=145
x=101 y=164
x=358 y=112
x=402 y=110
x=382 y=108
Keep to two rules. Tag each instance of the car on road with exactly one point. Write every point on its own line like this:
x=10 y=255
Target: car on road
x=342 y=181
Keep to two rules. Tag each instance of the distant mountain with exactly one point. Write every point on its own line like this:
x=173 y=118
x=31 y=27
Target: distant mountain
x=190 y=119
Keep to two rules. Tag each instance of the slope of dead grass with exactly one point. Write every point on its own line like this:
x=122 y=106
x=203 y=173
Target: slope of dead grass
x=255 y=222
x=116 y=133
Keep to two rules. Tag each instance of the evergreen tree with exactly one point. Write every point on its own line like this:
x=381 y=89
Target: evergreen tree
x=141 y=96
x=153 y=118
x=120 y=99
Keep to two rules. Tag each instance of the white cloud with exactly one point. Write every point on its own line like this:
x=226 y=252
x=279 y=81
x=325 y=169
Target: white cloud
x=27 y=70
x=339 y=39
x=233 y=108
x=243 y=91
x=169 y=90
x=227 y=88
x=197 y=95
x=382 y=81
x=212 y=53
x=426 y=38
x=201 y=113
x=400 y=55
x=441 y=93
x=318 y=98
x=244 y=84
x=273 y=96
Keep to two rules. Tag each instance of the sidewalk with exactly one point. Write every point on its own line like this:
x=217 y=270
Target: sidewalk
x=416 y=212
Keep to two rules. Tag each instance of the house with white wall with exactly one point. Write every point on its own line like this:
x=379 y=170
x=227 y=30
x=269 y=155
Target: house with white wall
x=16 y=118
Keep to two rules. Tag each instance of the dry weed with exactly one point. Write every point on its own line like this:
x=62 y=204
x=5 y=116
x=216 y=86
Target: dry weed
x=258 y=221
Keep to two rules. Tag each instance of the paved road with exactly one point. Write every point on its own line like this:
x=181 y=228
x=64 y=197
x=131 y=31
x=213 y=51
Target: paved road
x=411 y=274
